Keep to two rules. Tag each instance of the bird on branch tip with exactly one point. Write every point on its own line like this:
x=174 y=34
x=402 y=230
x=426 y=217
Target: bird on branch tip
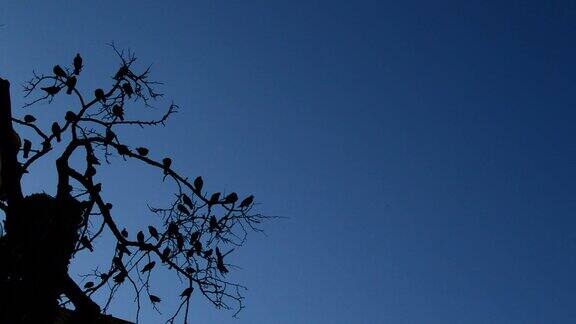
x=56 y=130
x=187 y=201
x=187 y=292
x=59 y=71
x=26 y=148
x=29 y=119
x=99 y=94
x=118 y=111
x=52 y=90
x=247 y=201
x=70 y=116
x=71 y=84
x=155 y=299
x=231 y=198
x=153 y=232
x=214 y=198
x=124 y=233
x=140 y=237
x=142 y=151
x=128 y=89
x=166 y=163
x=77 y=64
x=198 y=183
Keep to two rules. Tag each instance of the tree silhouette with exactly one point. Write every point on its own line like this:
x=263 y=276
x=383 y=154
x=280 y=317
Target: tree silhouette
x=42 y=234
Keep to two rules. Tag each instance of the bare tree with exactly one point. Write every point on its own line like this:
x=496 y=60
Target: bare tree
x=43 y=233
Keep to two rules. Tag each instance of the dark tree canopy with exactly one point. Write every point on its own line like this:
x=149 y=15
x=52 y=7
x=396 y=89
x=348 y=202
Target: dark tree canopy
x=42 y=234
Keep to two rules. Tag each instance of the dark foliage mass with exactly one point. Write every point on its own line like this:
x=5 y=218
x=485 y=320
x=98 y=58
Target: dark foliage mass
x=199 y=229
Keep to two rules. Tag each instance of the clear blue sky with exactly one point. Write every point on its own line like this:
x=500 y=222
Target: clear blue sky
x=423 y=150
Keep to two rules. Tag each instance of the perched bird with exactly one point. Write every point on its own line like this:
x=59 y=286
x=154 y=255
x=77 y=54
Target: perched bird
x=70 y=116
x=59 y=71
x=89 y=285
x=122 y=72
x=86 y=243
x=231 y=198
x=77 y=64
x=52 y=90
x=187 y=292
x=172 y=229
x=247 y=201
x=183 y=209
x=99 y=94
x=29 y=119
x=71 y=84
x=208 y=253
x=109 y=206
x=220 y=262
x=153 y=232
x=166 y=253
x=109 y=136
x=194 y=237
x=197 y=247
x=124 y=232
x=154 y=299
x=166 y=163
x=123 y=150
x=142 y=151
x=26 y=148
x=214 y=198
x=140 y=237
x=187 y=201
x=128 y=89
x=56 y=130
x=180 y=241
x=149 y=266
x=119 y=278
x=118 y=111
x=213 y=226
x=198 y=183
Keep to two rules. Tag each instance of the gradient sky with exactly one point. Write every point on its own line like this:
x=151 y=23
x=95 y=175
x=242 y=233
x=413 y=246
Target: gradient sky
x=423 y=151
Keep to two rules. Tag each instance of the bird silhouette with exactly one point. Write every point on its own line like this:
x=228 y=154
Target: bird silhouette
x=29 y=119
x=142 y=151
x=123 y=149
x=26 y=148
x=198 y=183
x=128 y=89
x=124 y=232
x=247 y=201
x=89 y=285
x=56 y=130
x=99 y=94
x=231 y=198
x=118 y=111
x=208 y=253
x=154 y=299
x=187 y=201
x=71 y=84
x=77 y=64
x=187 y=292
x=214 y=198
x=120 y=277
x=172 y=229
x=213 y=226
x=166 y=253
x=122 y=72
x=166 y=163
x=220 y=262
x=52 y=90
x=86 y=243
x=197 y=247
x=109 y=136
x=70 y=116
x=140 y=237
x=59 y=71
x=149 y=266
x=194 y=237
x=179 y=241
x=153 y=232
x=183 y=209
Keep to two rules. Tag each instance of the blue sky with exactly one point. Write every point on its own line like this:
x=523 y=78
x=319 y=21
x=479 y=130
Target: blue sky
x=423 y=151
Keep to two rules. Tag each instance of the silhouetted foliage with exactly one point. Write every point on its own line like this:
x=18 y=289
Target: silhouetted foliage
x=43 y=233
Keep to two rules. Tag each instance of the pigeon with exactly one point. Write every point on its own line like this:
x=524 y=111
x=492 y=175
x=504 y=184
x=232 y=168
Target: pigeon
x=71 y=84
x=231 y=198
x=220 y=262
x=26 y=148
x=59 y=71
x=29 y=119
x=56 y=130
x=128 y=89
x=77 y=64
x=52 y=90
x=99 y=94
x=198 y=183
x=187 y=292
x=149 y=266
x=153 y=232
x=247 y=201
x=118 y=111
x=187 y=201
